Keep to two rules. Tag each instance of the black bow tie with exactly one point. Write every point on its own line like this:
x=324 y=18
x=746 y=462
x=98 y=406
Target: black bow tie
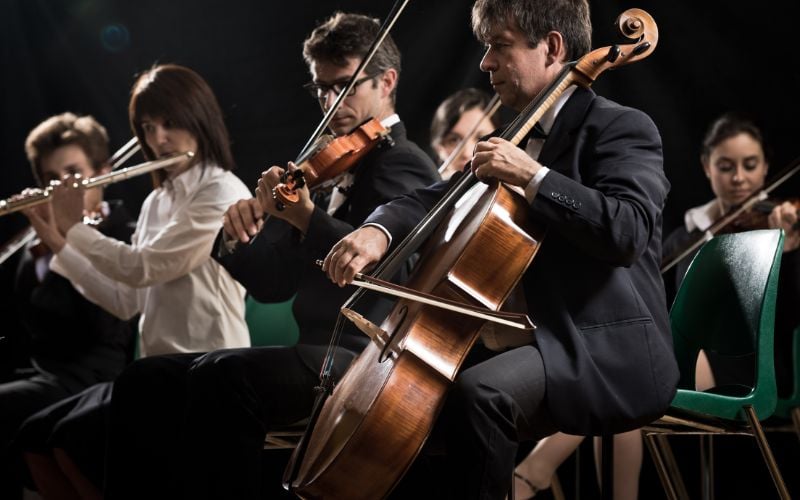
x=537 y=132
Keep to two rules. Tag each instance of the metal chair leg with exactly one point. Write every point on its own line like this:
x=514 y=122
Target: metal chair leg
x=672 y=467
x=658 y=460
x=795 y=413
x=555 y=487
x=766 y=451
x=707 y=466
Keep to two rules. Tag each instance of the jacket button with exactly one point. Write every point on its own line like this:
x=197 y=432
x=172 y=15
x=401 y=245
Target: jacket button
x=561 y=197
x=554 y=194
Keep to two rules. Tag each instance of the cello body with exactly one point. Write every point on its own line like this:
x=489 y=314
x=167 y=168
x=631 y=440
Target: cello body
x=393 y=392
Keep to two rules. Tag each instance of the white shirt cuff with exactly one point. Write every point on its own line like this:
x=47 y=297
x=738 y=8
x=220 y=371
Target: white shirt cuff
x=533 y=186
x=383 y=230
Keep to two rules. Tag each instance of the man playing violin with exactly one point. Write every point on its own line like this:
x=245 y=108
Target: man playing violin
x=601 y=359
x=73 y=343
x=227 y=400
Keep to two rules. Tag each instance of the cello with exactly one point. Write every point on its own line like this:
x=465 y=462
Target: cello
x=480 y=241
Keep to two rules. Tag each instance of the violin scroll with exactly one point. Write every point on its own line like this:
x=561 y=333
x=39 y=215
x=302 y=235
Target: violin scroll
x=635 y=24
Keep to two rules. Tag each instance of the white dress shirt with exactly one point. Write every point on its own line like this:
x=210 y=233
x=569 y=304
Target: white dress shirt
x=187 y=301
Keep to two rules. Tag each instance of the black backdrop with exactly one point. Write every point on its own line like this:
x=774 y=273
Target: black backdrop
x=82 y=55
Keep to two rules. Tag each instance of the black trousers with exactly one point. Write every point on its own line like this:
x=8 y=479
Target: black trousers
x=19 y=400
x=76 y=424
x=497 y=402
x=197 y=424
x=193 y=426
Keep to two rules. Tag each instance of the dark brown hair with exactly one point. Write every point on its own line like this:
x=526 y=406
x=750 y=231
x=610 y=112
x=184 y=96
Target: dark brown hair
x=344 y=36
x=62 y=130
x=180 y=96
x=536 y=18
x=726 y=126
x=451 y=109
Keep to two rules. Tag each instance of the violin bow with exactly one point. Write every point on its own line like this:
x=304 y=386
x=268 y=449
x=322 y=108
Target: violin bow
x=748 y=203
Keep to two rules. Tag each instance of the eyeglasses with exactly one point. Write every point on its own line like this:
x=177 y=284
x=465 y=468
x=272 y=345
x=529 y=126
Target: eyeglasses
x=320 y=90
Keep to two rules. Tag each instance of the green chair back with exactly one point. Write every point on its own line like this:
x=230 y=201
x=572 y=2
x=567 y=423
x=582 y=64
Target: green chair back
x=271 y=324
x=726 y=304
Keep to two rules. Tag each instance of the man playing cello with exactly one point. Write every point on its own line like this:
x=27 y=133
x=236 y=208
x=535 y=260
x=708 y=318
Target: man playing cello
x=601 y=361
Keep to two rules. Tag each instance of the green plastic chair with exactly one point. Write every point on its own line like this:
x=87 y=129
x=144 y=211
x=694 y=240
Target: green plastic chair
x=271 y=324
x=789 y=407
x=726 y=304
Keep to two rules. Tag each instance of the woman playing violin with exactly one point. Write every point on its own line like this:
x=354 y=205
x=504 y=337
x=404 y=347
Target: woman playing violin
x=734 y=161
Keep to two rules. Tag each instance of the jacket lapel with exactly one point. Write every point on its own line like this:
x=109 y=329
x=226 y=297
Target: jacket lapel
x=566 y=125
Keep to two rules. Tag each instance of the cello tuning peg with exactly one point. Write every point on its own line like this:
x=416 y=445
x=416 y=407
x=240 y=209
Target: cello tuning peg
x=642 y=47
x=613 y=53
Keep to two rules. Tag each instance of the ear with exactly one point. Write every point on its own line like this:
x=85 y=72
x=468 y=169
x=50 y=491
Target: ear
x=706 y=167
x=556 y=50
x=388 y=82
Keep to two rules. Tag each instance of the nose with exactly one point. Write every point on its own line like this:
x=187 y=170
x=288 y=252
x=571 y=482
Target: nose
x=325 y=99
x=467 y=152
x=487 y=62
x=160 y=135
x=738 y=174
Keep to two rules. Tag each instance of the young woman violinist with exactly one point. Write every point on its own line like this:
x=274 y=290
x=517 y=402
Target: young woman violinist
x=735 y=163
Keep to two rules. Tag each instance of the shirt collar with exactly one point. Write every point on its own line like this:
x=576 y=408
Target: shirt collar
x=702 y=217
x=186 y=181
x=550 y=115
x=390 y=120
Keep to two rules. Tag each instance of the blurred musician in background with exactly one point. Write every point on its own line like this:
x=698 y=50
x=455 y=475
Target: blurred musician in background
x=457 y=116
x=73 y=343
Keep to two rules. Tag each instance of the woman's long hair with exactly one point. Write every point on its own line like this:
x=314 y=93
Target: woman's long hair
x=182 y=98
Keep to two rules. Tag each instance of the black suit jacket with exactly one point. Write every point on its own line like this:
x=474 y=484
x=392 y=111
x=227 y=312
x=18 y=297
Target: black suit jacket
x=594 y=289
x=70 y=337
x=281 y=263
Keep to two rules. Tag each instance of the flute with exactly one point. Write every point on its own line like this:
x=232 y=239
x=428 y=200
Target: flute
x=39 y=196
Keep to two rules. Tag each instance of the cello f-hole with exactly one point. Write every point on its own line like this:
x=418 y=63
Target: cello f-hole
x=389 y=350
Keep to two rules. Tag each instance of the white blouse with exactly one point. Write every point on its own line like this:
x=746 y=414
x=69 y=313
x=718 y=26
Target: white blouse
x=187 y=301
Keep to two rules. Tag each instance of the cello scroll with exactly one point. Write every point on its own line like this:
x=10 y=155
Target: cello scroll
x=635 y=24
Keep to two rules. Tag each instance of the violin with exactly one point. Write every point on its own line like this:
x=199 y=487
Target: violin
x=753 y=213
x=329 y=158
x=758 y=216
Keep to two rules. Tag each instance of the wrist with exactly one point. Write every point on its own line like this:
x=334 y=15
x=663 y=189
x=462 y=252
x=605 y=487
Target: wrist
x=301 y=217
